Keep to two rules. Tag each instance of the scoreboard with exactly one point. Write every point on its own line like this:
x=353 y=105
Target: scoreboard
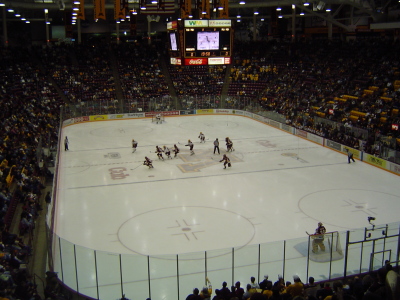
x=200 y=42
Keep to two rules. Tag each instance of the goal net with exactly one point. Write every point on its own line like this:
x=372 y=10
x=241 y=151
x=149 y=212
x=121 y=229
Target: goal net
x=154 y=118
x=325 y=247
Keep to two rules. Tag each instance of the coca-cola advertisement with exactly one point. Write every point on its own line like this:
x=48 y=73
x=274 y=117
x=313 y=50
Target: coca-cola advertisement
x=195 y=61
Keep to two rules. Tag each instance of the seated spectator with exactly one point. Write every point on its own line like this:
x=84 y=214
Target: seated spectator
x=295 y=289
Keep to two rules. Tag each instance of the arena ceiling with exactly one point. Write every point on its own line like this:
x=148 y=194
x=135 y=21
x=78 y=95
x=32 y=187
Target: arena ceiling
x=343 y=13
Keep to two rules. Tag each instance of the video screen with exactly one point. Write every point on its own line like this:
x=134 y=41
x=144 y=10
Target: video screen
x=208 y=40
x=172 y=38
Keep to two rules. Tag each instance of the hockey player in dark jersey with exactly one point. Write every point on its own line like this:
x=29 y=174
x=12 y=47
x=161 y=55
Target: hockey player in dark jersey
x=190 y=145
x=148 y=162
x=159 y=152
x=229 y=145
x=202 y=137
x=176 y=150
x=226 y=161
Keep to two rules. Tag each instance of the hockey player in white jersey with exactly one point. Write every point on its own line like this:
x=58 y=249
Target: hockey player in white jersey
x=190 y=145
x=167 y=152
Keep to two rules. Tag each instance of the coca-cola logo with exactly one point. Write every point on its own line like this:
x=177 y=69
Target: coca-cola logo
x=196 y=61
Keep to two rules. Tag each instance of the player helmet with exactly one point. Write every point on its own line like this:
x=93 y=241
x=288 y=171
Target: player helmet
x=319 y=223
x=188 y=141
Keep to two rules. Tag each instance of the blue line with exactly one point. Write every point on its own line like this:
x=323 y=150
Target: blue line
x=195 y=177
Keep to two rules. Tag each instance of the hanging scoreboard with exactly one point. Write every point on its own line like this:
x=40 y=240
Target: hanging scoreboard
x=203 y=42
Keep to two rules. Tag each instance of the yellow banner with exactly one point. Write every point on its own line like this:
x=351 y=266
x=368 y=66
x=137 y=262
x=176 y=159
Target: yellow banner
x=376 y=161
x=98 y=118
x=204 y=111
x=99 y=9
x=81 y=11
x=119 y=9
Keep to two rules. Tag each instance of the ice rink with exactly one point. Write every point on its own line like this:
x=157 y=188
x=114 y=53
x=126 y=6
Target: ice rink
x=278 y=187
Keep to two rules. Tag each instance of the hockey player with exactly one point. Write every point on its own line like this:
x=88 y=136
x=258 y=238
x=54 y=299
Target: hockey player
x=176 y=150
x=226 y=161
x=229 y=145
x=159 y=152
x=318 y=238
x=202 y=137
x=134 y=145
x=190 y=145
x=167 y=152
x=148 y=162
x=158 y=118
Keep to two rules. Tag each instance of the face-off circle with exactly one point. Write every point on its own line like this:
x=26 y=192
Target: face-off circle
x=349 y=207
x=184 y=230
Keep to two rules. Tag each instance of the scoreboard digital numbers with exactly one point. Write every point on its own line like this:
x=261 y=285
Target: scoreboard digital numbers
x=204 y=42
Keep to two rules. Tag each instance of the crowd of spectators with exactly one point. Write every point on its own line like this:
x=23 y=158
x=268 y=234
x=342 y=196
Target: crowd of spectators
x=29 y=119
x=252 y=69
x=142 y=81
x=83 y=73
x=198 y=86
x=377 y=285
x=355 y=84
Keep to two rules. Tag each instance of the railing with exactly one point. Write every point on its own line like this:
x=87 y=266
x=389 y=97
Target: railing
x=103 y=275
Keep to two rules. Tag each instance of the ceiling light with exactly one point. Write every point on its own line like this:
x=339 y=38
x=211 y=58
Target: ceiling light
x=27 y=22
x=302 y=13
x=17 y=15
x=256 y=12
x=238 y=16
x=23 y=19
x=77 y=2
x=48 y=23
x=46 y=11
x=278 y=9
x=262 y=20
x=306 y=4
x=280 y=16
x=2 y=4
x=74 y=13
x=328 y=9
x=242 y=3
x=10 y=10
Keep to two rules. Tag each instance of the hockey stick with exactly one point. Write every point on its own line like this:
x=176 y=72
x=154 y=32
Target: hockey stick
x=137 y=167
x=308 y=233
